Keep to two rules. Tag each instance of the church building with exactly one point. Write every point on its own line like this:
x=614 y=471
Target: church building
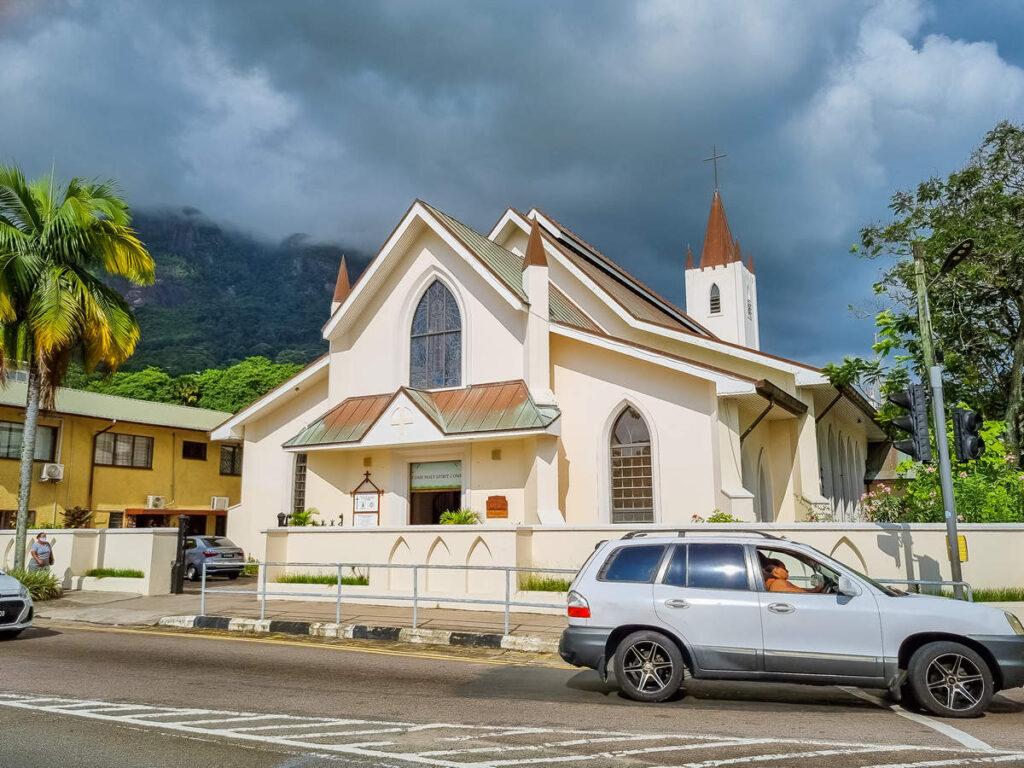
x=526 y=376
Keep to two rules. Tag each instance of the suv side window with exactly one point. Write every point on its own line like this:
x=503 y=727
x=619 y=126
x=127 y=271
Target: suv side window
x=717 y=566
x=636 y=564
x=676 y=574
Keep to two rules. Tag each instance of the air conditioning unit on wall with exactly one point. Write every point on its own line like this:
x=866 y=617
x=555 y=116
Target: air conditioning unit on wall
x=52 y=473
x=218 y=502
x=156 y=502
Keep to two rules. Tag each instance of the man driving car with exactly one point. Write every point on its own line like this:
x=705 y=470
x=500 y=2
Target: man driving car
x=776 y=577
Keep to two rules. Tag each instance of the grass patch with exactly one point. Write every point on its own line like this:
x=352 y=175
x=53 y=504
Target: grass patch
x=533 y=582
x=356 y=580
x=115 y=573
x=994 y=594
x=42 y=585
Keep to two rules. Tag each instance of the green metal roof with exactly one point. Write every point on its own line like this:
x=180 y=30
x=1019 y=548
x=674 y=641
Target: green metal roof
x=499 y=407
x=101 y=406
x=562 y=310
x=506 y=265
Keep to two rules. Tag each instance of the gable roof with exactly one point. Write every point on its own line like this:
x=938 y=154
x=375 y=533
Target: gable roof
x=497 y=407
x=639 y=300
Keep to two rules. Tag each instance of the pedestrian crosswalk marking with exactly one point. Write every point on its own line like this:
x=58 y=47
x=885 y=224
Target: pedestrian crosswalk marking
x=486 y=746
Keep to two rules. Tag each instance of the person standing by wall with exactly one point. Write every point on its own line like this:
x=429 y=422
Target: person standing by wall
x=41 y=554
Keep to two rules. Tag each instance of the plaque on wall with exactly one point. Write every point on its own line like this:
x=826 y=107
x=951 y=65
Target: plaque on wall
x=497 y=506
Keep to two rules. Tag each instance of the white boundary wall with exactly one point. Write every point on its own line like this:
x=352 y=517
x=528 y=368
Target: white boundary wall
x=880 y=550
x=76 y=551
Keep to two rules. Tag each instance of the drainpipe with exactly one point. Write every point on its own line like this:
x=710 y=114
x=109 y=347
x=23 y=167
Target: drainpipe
x=92 y=460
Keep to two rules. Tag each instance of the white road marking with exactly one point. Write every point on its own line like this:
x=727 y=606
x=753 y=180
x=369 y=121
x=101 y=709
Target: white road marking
x=960 y=761
x=945 y=729
x=406 y=748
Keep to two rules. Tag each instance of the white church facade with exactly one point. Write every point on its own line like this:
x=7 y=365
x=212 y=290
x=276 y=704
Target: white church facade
x=527 y=377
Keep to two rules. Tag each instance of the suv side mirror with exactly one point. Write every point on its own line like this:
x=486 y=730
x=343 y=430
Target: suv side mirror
x=848 y=586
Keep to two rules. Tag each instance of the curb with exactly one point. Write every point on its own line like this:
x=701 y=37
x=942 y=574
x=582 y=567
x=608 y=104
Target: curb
x=526 y=643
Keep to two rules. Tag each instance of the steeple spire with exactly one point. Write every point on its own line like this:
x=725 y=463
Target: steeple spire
x=689 y=257
x=341 y=287
x=535 y=256
x=719 y=247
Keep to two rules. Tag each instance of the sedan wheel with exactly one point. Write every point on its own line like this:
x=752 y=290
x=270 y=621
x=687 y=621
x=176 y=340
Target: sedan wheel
x=950 y=680
x=648 y=666
x=191 y=573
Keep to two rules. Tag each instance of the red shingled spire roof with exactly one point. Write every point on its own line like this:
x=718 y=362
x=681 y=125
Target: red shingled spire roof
x=535 y=256
x=342 y=287
x=689 y=257
x=719 y=246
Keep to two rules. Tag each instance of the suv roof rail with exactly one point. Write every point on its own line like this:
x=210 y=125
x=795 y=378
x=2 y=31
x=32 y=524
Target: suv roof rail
x=681 y=532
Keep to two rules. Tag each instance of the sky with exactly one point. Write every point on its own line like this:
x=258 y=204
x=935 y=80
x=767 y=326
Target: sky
x=329 y=118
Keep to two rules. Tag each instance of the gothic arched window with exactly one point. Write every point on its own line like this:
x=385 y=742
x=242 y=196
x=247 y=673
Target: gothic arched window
x=436 y=350
x=716 y=299
x=632 y=480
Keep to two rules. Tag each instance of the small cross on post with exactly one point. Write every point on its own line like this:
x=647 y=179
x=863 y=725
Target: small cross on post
x=715 y=157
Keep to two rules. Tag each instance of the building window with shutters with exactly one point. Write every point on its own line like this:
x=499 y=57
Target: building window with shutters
x=716 y=299
x=129 y=451
x=632 y=482
x=299 y=484
x=10 y=441
x=436 y=341
x=231 y=460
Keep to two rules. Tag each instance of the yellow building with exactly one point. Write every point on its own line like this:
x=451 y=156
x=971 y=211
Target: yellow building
x=134 y=463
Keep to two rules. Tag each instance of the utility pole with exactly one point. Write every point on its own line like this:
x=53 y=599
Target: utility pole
x=939 y=418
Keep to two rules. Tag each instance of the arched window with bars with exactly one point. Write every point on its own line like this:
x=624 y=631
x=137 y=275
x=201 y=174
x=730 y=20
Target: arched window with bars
x=632 y=481
x=436 y=348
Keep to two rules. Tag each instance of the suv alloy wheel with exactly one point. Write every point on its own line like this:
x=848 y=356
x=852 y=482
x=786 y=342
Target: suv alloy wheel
x=648 y=666
x=950 y=680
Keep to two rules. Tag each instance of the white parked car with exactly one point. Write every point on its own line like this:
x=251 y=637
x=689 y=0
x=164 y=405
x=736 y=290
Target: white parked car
x=756 y=607
x=15 y=607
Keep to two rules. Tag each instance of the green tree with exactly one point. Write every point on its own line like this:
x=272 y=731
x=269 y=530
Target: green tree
x=55 y=239
x=148 y=384
x=230 y=389
x=978 y=308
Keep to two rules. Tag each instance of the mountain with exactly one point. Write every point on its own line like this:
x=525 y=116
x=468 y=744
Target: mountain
x=221 y=295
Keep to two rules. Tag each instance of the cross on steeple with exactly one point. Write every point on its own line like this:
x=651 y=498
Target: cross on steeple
x=715 y=157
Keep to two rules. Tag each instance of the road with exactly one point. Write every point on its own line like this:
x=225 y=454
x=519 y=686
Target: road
x=113 y=698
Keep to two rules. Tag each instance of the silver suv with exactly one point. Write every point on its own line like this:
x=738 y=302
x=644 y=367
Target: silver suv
x=756 y=607
x=15 y=607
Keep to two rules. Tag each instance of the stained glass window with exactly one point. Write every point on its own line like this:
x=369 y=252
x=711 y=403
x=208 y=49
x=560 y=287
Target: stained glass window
x=436 y=353
x=632 y=480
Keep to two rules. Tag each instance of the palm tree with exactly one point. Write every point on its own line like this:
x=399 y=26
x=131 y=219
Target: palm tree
x=55 y=242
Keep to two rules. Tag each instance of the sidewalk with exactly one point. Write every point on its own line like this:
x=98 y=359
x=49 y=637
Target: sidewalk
x=442 y=625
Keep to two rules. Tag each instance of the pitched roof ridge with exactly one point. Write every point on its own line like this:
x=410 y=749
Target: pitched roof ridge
x=638 y=283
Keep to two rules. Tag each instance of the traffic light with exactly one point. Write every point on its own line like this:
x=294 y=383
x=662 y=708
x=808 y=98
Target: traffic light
x=966 y=440
x=914 y=401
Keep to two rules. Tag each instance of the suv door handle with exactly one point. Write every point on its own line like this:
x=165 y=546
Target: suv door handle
x=781 y=608
x=677 y=603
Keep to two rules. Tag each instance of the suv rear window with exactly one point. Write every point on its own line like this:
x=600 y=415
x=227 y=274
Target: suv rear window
x=717 y=566
x=632 y=564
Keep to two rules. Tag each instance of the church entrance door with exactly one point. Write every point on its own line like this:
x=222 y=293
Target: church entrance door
x=435 y=487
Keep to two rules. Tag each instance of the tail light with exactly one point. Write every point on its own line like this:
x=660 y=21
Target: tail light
x=578 y=607
x=209 y=553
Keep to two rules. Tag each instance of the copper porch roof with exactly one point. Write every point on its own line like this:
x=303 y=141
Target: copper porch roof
x=499 y=407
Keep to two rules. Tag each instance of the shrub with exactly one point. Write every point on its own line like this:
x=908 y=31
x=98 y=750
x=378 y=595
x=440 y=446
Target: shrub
x=42 y=585
x=460 y=517
x=355 y=580
x=716 y=517
x=987 y=490
x=305 y=517
x=250 y=569
x=115 y=573
x=535 y=582
x=77 y=517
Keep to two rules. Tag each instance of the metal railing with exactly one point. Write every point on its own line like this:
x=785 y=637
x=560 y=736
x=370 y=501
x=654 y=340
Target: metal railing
x=932 y=583
x=415 y=598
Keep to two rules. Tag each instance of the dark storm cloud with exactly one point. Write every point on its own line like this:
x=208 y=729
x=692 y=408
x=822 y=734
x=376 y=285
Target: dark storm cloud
x=328 y=118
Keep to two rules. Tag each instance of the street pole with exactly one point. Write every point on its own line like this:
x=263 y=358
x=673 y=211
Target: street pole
x=939 y=419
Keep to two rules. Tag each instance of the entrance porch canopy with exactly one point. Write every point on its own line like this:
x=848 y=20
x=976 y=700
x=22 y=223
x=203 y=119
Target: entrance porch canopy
x=422 y=416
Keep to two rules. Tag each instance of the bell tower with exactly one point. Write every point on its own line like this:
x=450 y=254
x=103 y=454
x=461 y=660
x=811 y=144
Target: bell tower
x=721 y=292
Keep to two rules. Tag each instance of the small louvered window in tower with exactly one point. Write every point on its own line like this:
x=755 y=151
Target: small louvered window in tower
x=716 y=299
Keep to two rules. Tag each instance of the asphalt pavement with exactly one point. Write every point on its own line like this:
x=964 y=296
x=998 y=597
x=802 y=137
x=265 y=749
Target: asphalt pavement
x=95 y=696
